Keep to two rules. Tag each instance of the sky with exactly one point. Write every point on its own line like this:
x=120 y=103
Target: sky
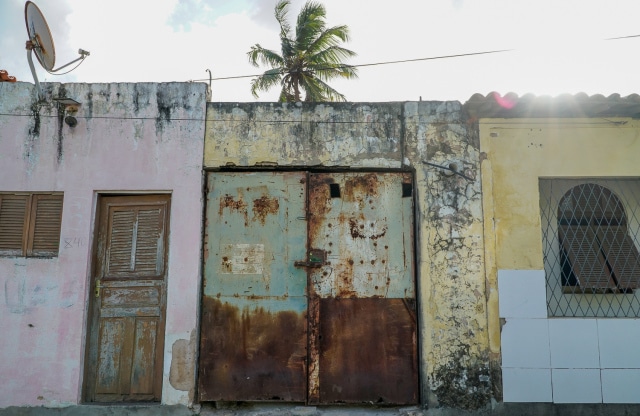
x=555 y=46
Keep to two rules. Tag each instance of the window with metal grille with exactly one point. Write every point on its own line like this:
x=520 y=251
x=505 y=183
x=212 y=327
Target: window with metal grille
x=590 y=244
x=30 y=224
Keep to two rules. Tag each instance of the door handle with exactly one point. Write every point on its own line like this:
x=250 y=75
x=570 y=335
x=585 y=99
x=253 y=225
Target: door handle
x=315 y=258
x=98 y=287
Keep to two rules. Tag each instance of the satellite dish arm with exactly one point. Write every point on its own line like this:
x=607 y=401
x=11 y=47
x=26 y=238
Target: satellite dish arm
x=33 y=69
x=83 y=55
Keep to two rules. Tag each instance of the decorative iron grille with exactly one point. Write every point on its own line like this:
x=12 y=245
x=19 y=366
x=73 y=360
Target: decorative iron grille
x=590 y=240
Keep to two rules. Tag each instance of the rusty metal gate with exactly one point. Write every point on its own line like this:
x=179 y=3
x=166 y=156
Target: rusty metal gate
x=309 y=291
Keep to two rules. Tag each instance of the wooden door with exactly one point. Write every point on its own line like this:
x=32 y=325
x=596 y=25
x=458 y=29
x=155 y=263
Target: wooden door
x=127 y=314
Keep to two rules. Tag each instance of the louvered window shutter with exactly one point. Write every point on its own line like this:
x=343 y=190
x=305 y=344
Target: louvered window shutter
x=46 y=219
x=136 y=241
x=622 y=255
x=589 y=267
x=13 y=223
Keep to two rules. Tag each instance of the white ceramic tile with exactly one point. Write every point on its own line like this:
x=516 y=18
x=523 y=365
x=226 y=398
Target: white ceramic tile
x=525 y=343
x=526 y=385
x=576 y=386
x=619 y=340
x=522 y=294
x=620 y=386
x=574 y=343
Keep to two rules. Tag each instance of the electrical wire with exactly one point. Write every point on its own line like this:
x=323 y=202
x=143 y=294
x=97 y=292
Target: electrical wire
x=432 y=58
x=402 y=61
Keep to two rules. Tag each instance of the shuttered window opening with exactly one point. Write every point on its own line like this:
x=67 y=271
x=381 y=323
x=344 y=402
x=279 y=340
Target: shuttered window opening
x=597 y=254
x=30 y=224
x=591 y=246
x=135 y=243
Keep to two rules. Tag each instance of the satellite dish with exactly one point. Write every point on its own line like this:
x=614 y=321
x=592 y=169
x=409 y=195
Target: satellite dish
x=40 y=36
x=41 y=43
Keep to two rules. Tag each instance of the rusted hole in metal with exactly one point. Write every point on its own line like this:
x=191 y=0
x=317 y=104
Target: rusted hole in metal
x=361 y=226
x=375 y=244
x=334 y=190
x=386 y=247
x=330 y=243
x=329 y=225
x=407 y=190
x=384 y=261
x=351 y=262
x=324 y=273
x=373 y=262
x=361 y=261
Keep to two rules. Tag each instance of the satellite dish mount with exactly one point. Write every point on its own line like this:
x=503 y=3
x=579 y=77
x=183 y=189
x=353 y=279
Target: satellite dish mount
x=41 y=43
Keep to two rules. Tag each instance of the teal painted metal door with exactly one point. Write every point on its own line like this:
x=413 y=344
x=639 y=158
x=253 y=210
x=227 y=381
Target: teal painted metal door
x=309 y=291
x=254 y=311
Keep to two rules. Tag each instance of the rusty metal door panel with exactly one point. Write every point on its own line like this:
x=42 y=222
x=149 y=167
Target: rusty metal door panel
x=253 y=330
x=368 y=351
x=362 y=323
x=365 y=225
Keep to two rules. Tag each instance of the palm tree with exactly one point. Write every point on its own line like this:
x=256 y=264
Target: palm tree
x=307 y=61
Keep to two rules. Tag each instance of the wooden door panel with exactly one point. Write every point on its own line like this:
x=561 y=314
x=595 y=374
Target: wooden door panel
x=126 y=333
x=113 y=345
x=144 y=351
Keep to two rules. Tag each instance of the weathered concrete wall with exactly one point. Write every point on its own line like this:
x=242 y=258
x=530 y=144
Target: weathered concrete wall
x=134 y=138
x=455 y=366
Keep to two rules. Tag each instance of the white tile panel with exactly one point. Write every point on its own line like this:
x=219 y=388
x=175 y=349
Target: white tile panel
x=619 y=340
x=576 y=385
x=574 y=343
x=522 y=294
x=620 y=386
x=525 y=343
x=526 y=385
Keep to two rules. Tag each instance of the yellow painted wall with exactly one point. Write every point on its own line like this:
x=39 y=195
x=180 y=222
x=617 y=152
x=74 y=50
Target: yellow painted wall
x=515 y=153
x=456 y=368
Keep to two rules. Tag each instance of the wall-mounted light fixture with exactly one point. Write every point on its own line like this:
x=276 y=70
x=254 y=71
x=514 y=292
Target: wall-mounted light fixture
x=70 y=110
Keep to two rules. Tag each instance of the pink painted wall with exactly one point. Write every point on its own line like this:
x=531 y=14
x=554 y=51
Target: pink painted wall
x=129 y=138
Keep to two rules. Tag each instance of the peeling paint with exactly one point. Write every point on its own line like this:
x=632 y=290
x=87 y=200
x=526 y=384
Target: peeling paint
x=183 y=364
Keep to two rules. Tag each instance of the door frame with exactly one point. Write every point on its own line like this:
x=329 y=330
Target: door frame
x=90 y=310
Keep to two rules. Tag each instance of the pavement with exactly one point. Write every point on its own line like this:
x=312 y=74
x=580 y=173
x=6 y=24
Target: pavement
x=497 y=409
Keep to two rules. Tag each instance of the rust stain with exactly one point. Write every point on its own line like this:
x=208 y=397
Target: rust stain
x=251 y=355
x=353 y=369
x=361 y=187
x=314 y=349
x=227 y=266
x=239 y=205
x=264 y=206
x=360 y=228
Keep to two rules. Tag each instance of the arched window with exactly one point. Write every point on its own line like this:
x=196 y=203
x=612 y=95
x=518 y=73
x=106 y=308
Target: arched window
x=597 y=255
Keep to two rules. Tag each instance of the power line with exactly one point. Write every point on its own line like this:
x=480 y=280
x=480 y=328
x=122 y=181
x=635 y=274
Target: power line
x=432 y=58
x=371 y=64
